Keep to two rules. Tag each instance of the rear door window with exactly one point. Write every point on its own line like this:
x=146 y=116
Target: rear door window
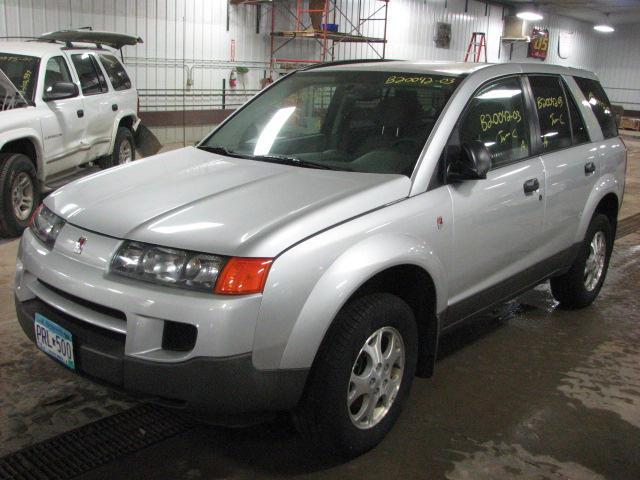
x=496 y=117
x=553 y=114
x=600 y=105
x=92 y=80
x=116 y=72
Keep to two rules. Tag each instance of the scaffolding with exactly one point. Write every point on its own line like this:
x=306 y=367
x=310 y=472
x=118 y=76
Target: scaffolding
x=334 y=12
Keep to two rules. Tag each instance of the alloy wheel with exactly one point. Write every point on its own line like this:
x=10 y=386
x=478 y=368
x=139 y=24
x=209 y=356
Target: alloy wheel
x=594 y=266
x=22 y=195
x=125 y=154
x=376 y=377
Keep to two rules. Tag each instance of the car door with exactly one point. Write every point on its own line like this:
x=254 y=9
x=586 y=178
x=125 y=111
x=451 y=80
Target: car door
x=97 y=104
x=498 y=220
x=124 y=96
x=568 y=157
x=63 y=122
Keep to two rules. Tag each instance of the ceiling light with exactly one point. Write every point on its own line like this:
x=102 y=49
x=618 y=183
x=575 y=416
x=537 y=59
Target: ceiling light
x=529 y=15
x=604 y=28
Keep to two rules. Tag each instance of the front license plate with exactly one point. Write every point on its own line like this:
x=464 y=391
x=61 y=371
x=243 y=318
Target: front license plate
x=54 y=340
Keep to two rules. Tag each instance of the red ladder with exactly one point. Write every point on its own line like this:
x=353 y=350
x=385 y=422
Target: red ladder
x=479 y=44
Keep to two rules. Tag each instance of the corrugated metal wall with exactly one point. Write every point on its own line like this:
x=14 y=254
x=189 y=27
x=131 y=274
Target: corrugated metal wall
x=187 y=43
x=619 y=66
x=585 y=43
x=412 y=27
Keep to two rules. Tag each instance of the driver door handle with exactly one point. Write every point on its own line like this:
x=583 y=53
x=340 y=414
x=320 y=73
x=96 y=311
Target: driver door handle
x=80 y=113
x=531 y=185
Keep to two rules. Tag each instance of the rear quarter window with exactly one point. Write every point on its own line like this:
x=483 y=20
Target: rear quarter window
x=600 y=105
x=116 y=72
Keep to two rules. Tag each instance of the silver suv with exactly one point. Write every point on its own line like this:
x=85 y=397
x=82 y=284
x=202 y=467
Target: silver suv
x=307 y=255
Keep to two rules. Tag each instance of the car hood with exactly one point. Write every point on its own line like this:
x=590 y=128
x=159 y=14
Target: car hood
x=200 y=201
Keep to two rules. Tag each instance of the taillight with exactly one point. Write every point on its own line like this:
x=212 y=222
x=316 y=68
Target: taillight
x=242 y=276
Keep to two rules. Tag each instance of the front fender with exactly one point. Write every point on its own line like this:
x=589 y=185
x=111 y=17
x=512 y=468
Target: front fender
x=296 y=314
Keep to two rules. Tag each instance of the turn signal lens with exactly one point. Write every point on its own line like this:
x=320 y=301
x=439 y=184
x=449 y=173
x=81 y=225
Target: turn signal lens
x=242 y=276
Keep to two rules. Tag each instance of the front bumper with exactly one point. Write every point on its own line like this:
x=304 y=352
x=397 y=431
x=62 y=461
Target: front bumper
x=120 y=326
x=212 y=387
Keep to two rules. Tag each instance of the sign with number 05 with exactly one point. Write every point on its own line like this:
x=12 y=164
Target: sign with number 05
x=539 y=45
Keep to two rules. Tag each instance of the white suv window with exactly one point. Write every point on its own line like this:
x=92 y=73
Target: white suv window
x=116 y=72
x=57 y=71
x=92 y=80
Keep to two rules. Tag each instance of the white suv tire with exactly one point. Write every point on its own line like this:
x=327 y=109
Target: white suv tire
x=20 y=193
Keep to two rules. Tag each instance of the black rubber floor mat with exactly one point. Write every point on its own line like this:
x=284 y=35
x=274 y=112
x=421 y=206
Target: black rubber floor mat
x=628 y=225
x=98 y=443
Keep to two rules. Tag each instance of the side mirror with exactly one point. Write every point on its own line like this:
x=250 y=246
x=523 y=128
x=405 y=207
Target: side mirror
x=60 y=91
x=473 y=162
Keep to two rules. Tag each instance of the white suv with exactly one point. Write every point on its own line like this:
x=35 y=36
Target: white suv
x=63 y=106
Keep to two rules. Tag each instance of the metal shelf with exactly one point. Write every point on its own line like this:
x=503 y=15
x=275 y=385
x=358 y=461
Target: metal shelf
x=333 y=11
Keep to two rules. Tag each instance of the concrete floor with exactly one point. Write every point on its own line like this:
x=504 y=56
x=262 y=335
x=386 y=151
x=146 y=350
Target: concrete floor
x=536 y=392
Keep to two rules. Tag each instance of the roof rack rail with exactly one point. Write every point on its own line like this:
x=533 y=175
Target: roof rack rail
x=348 y=62
x=110 y=39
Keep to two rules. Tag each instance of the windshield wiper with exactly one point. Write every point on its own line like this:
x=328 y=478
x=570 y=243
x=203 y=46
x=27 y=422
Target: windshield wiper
x=220 y=150
x=291 y=161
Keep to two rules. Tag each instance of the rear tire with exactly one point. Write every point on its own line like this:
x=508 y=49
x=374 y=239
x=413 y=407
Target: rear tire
x=124 y=150
x=20 y=193
x=580 y=286
x=334 y=412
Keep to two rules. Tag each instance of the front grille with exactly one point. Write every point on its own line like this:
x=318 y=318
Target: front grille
x=111 y=312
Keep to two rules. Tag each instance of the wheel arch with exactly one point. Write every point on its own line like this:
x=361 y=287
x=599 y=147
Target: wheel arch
x=27 y=145
x=391 y=262
x=604 y=198
x=415 y=286
x=609 y=206
x=127 y=119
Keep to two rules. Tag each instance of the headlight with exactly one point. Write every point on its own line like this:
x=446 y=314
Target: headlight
x=192 y=270
x=46 y=225
x=168 y=266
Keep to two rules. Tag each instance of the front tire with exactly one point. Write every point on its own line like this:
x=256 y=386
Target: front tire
x=361 y=376
x=124 y=150
x=580 y=286
x=20 y=193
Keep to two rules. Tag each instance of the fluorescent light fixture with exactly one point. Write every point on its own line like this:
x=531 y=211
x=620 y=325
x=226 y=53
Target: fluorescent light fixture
x=529 y=15
x=604 y=28
x=271 y=130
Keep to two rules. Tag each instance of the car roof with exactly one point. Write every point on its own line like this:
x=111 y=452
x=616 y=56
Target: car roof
x=451 y=68
x=41 y=49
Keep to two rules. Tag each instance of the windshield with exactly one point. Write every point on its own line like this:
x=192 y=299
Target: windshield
x=375 y=122
x=22 y=70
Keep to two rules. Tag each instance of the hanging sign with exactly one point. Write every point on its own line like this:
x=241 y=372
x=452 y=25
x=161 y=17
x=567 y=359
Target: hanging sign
x=539 y=45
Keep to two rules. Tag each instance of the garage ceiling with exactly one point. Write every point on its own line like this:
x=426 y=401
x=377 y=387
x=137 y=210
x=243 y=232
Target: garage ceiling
x=593 y=11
